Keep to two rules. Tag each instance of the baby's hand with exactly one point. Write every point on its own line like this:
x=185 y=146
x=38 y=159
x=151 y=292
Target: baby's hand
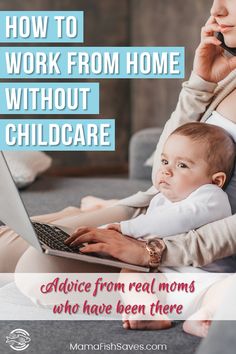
x=115 y=227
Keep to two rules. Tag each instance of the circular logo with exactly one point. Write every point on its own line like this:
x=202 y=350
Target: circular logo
x=18 y=339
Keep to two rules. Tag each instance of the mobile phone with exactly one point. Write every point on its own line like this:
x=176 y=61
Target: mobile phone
x=220 y=36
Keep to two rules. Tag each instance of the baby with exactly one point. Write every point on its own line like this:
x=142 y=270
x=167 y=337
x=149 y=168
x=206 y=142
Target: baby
x=196 y=162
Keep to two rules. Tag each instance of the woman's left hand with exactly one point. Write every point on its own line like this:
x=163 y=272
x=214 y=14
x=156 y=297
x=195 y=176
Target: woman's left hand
x=115 y=244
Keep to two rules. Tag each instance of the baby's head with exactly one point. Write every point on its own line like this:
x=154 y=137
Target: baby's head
x=195 y=154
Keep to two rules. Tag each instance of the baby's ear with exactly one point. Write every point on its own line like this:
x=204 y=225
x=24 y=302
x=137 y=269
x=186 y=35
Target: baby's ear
x=219 y=179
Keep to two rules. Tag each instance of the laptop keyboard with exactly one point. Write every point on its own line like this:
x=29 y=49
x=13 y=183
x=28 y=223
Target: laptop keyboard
x=54 y=237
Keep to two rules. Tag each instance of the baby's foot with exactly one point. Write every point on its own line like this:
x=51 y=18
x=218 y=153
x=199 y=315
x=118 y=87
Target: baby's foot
x=147 y=325
x=198 y=328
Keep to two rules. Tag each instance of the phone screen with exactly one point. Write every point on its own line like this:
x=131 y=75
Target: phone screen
x=220 y=36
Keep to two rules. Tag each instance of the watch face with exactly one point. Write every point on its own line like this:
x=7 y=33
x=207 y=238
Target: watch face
x=155 y=249
x=156 y=245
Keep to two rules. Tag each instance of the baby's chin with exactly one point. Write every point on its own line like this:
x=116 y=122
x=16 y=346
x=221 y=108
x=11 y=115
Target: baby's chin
x=169 y=194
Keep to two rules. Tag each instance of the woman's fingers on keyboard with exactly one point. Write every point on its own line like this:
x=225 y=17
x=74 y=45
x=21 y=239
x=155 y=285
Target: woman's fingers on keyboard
x=92 y=235
x=79 y=231
x=95 y=248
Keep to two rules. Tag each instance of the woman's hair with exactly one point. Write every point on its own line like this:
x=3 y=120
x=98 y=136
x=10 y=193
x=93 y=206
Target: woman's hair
x=220 y=146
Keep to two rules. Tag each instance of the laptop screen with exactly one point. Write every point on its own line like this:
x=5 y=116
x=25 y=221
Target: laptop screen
x=12 y=209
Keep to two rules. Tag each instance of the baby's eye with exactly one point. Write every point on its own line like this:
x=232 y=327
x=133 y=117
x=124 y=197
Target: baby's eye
x=164 y=162
x=182 y=165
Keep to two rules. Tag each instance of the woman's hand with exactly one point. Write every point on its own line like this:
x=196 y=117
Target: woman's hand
x=210 y=62
x=115 y=227
x=111 y=242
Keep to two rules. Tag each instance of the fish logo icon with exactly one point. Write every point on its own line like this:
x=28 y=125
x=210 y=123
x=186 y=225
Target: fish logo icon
x=18 y=339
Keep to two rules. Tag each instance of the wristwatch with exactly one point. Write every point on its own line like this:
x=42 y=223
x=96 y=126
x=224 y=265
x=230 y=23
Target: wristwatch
x=155 y=249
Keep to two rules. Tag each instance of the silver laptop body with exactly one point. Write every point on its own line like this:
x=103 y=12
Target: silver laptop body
x=14 y=214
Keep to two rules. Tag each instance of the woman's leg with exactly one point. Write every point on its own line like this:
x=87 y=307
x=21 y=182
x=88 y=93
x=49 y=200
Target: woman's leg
x=36 y=262
x=33 y=261
x=12 y=247
x=96 y=218
x=199 y=323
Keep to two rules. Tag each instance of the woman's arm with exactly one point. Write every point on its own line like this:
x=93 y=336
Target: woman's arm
x=112 y=242
x=202 y=246
x=197 y=248
x=96 y=218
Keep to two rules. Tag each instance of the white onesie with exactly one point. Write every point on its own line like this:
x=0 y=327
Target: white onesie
x=164 y=218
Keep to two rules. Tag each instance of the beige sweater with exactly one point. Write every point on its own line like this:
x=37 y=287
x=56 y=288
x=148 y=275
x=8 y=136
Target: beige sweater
x=197 y=100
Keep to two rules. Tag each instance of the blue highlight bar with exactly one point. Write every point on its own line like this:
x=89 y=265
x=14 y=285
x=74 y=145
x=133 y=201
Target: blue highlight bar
x=92 y=62
x=41 y=26
x=59 y=135
x=49 y=98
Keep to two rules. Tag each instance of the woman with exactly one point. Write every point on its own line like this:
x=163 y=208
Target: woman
x=212 y=86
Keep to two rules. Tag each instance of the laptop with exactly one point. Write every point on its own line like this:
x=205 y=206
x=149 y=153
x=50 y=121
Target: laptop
x=45 y=238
